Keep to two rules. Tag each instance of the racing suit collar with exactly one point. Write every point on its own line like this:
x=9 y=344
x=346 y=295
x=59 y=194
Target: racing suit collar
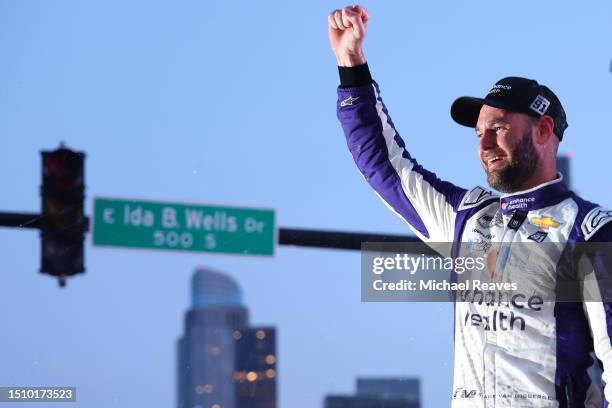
x=540 y=196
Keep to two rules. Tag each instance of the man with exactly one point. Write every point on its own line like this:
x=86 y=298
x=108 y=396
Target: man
x=542 y=357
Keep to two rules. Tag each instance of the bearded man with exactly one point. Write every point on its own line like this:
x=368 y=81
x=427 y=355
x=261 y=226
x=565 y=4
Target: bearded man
x=542 y=355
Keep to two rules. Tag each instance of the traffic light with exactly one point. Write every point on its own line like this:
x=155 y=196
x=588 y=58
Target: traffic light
x=63 y=222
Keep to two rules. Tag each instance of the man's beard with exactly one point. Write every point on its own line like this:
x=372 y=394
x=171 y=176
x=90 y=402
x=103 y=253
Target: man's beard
x=523 y=162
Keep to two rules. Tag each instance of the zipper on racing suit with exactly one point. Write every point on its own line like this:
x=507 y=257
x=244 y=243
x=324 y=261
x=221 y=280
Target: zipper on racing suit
x=508 y=236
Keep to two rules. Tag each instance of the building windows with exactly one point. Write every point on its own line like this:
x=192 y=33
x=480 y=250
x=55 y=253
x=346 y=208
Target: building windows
x=204 y=389
x=270 y=359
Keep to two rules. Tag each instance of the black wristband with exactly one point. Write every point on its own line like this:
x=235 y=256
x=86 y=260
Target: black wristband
x=352 y=77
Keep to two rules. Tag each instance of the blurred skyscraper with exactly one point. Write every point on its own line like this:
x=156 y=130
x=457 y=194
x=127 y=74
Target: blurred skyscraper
x=380 y=393
x=255 y=374
x=222 y=361
x=563 y=167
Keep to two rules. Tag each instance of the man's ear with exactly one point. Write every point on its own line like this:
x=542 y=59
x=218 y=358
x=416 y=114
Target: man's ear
x=544 y=129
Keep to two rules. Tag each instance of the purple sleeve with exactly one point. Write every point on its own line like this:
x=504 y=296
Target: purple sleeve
x=599 y=313
x=428 y=204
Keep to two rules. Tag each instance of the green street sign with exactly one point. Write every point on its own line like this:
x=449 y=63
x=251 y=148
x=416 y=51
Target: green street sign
x=185 y=227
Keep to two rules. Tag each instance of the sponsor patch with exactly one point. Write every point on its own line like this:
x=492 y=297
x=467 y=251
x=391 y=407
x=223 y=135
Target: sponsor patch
x=540 y=104
x=485 y=221
x=518 y=203
x=474 y=197
x=595 y=219
x=464 y=393
x=490 y=221
x=538 y=236
x=348 y=101
x=545 y=222
x=484 y=235
x=517 y=220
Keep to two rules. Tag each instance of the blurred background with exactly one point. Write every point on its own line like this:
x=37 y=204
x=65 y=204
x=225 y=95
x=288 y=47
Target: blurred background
x=233 y=103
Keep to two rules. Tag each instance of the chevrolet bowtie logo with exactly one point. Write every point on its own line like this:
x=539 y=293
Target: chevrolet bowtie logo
x=545 y=222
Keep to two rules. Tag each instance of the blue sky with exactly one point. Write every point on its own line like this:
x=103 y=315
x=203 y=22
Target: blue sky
x=234 y=103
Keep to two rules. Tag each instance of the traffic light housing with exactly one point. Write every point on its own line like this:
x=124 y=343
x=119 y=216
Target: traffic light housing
x=63 y=223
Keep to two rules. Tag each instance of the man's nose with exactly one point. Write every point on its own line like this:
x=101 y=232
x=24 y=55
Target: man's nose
x=488 y=140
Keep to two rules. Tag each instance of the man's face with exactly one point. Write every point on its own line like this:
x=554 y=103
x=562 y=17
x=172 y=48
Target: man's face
x=506 y=148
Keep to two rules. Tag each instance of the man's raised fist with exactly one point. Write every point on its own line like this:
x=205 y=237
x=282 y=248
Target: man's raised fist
x=347 y=30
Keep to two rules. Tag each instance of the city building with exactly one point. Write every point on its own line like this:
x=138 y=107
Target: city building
x=380 y=393
x=223 y=362
x=255 y=373
x=563 y=167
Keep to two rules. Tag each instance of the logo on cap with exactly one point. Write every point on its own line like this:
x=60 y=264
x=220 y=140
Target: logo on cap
x=540 y=104
x=497 y=88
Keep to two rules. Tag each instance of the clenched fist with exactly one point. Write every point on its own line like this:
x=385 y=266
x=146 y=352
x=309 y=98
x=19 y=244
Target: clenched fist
x=347 y=30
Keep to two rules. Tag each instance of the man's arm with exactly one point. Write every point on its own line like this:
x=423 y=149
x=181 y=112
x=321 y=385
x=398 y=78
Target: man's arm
x=428 y=204
x=599 y=287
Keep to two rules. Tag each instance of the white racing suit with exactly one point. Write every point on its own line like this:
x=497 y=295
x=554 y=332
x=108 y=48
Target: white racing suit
x=540 y=355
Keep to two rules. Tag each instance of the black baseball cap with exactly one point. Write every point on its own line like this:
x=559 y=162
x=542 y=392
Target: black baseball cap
x=515 y=94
